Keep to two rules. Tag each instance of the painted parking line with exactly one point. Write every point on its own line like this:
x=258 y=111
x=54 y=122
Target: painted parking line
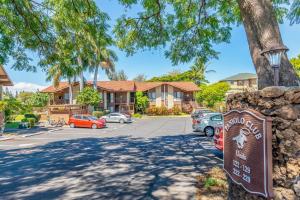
x=17 y=145
x=26 y=145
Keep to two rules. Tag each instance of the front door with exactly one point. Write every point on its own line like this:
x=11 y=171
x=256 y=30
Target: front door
x=117 y=108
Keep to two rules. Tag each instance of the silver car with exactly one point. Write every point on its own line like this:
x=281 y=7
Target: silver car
x=207 y=123
x=117 y=117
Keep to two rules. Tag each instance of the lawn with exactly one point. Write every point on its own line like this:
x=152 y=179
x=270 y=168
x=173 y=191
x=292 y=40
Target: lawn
x=12 y=125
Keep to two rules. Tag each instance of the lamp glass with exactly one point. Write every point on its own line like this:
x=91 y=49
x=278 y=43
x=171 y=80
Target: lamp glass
x=274 y=57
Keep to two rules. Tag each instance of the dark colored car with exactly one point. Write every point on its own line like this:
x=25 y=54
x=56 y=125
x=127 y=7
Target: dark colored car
x=218 y=138
x=86 y=121
x=200 y=112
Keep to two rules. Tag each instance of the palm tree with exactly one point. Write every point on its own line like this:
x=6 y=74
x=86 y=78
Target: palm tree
x=198 y=71
x=58 y=72
x=105 y=59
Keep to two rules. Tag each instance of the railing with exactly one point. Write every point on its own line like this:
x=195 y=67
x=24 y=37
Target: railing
x=59 y=102
x=67 y=109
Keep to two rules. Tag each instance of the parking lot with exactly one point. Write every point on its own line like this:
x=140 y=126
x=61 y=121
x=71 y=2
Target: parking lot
x=152 y=158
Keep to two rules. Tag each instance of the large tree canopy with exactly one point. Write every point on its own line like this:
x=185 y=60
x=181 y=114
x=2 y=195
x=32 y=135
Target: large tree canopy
x=58 y=31
x=189 y=29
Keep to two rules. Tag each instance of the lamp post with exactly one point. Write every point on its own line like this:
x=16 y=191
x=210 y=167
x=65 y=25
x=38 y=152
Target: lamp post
x=273 y=54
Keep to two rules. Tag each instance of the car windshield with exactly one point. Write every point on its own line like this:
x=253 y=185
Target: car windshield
x=92 y=118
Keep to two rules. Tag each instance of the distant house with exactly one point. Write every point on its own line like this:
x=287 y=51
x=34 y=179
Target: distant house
x=241 y=82
x=4 y=80
x=119 y=96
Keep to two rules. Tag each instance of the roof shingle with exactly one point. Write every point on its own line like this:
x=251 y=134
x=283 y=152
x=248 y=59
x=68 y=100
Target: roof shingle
x=241 y=76
x=128 y=86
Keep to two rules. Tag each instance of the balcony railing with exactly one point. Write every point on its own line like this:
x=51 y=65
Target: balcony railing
x=59 y=102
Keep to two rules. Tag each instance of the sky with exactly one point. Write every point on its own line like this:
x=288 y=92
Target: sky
x=234 y=57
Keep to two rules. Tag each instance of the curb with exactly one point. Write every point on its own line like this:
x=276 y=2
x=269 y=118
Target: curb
x=8 y=138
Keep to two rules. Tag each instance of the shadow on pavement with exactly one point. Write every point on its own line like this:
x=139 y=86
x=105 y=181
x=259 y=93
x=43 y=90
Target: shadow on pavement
x=106 y=168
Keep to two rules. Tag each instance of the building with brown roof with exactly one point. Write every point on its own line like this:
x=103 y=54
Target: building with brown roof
x=119 y=96
x=4 y=80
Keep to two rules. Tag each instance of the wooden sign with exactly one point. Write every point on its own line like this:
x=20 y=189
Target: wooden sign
x=248 y=150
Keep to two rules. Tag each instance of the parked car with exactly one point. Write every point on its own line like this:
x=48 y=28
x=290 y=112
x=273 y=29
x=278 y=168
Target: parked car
x=200 y=112
x=86 y=121
x=207 y=123
x=117 y=117
x=218 y=138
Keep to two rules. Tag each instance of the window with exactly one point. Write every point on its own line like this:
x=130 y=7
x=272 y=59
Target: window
x=177 y=95
x=217 y=118
x=77 y=116
x=66 y=96
x=85 y=118
x=152 y=96
x=240 y=83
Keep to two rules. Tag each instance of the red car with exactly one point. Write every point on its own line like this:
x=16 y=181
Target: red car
x=218 y=138
x=86 y=121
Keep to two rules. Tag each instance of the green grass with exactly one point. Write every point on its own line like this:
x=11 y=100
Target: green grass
x=12 y=124
x=210 y=182
x=137 y=115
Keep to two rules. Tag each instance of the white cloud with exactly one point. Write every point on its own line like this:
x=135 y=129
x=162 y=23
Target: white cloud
x=24 y=86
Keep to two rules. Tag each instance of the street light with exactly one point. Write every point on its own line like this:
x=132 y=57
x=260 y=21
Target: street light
x=273 y=54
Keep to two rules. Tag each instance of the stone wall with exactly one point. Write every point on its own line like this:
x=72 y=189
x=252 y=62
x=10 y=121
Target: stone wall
x=283 y=105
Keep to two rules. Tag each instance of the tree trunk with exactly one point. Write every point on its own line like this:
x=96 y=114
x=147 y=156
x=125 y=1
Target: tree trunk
x=70 y=91
x=95 y=78
x=81 y=78
x=262 y=32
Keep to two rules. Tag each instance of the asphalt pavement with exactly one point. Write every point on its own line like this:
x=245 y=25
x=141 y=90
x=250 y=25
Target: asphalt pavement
x=153 y=158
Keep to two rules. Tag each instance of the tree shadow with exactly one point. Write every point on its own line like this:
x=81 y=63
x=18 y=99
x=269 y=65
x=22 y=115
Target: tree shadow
x=23 y=131
x=106 y=168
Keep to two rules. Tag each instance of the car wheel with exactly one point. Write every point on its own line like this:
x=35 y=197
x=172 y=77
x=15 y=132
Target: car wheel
x=122 y=121
x=209 y=131
x=94 y=126
x=72 y=125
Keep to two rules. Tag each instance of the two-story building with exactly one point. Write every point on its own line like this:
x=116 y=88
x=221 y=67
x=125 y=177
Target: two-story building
x=241 y=82
x=4 y=81
x=119 y=96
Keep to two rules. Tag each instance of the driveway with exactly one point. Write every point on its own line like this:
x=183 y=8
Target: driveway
x=155 y=158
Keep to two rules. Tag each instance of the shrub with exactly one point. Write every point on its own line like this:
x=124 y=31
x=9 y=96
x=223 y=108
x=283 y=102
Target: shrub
x=24 y=120
x=98 y=114
x=162 y=110
x=209 y=182
x=12 y=125
x=30 y=115
x=137 y=115
x=188 y=109
x=151 y=111
x=19 y=118
x=141 y=102
x=38 y=117
x=31 y=122
x=175 y=110
x=89 y=96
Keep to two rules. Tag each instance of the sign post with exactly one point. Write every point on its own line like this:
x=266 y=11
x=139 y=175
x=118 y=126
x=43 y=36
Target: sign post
x=248 y=150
